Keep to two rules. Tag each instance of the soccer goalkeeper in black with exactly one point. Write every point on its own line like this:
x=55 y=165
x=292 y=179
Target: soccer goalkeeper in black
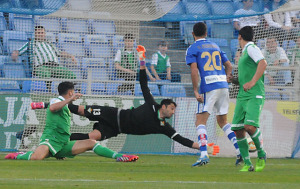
x=148 y=118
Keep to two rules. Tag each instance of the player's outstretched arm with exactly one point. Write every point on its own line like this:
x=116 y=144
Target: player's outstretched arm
x=143 y=76
x=59 y=105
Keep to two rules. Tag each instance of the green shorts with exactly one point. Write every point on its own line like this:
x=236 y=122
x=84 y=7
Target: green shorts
x=58 y=148
x=247 y=112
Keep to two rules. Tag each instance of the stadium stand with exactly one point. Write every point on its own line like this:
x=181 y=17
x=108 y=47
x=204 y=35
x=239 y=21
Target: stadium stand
x=71 y=43
x=153 y=88
x=103 y=28
x=14 y=70
x=97 y=46
x=200 y=8
x=9 y=86
x=22 y=23
x=38 y=86
x=50 y=24
x=80 y=26
x=12 y=40
x=173 y=90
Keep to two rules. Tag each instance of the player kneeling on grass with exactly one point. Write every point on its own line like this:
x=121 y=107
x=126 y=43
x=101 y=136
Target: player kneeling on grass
x=55 y=141
x=148 y=118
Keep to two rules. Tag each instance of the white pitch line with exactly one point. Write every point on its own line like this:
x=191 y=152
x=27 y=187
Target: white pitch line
x=145 y=181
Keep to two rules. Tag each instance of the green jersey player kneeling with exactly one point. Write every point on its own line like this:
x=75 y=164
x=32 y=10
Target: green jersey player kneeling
x=55 y=141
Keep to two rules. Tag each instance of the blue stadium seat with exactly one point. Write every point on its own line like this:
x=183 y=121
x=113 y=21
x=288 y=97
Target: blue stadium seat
x=76 y=25
x=188 y=28
x=222 y=30
x=12 y=35
x=103 y=27
x=112 y=89
x=173 y=91
x=9 y=86
x=96 y=88
x=3 y=60
x=1 y=49
x=97 y=45
x=26 y=86
x=12 y=70
x=51 y=37
x=222 y=8
x=261 y=43
x=153 y=89
x=51 y=24
x=71 y=43
x=201 y=8
x=3 y=25
x=77 y=71
x=118 y=42
x=98 y=74
x=54 y=86
x=93 y=62
x=234 y=45
x=288 y=45
x=39 y=86
x=22 y=23
x=15 y=44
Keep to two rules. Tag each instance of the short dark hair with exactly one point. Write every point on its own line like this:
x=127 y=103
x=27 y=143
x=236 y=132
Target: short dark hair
x=128 y=36
x=162 y=43
x=167 y=102
x=247 y=33
x=39 y=27
x=64 y=87
x=200 y=29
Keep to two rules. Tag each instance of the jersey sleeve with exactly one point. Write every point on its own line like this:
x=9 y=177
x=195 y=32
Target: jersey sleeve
x=118 y=56
x=144 y=86
x=172 y=134
x=54 y=100
x=223 y=57
x=23 y=49
x=154 y=59
x=190 y=56
x=57 y=52
x=255 y=53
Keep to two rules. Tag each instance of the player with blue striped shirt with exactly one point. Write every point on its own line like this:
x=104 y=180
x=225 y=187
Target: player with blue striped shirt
x=206 y=58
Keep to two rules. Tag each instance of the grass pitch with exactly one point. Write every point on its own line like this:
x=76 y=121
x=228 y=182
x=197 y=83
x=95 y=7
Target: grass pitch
x=150 y=171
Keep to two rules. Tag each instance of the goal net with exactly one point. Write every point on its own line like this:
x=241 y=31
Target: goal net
x=92 y=43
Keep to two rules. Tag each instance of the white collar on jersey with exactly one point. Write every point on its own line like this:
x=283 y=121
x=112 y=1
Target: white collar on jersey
x=249 y=43
x=202 y=39
x=61 y=97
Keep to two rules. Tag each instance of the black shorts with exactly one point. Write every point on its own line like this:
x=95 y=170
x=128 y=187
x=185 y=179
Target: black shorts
x=107 y=120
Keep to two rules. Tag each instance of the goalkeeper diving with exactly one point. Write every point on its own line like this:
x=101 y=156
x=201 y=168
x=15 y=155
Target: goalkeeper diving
x=149 y=118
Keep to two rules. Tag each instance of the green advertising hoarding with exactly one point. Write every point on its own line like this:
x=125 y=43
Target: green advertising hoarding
x=13 y=113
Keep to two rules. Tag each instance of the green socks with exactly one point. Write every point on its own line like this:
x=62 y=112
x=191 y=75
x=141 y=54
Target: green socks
x=244 y=149
x=105 y=152
x=25 y=156
x=257 y=139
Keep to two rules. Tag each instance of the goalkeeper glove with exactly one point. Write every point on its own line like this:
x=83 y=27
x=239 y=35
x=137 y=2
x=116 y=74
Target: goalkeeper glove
x=141 y=50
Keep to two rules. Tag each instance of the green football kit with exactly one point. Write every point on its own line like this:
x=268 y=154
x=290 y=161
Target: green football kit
x=249 y=103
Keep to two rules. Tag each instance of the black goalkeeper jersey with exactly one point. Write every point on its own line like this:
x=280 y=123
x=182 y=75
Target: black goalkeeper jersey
x=145 y=118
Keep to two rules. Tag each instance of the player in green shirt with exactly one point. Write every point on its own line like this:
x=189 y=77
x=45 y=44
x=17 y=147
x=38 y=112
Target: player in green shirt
x=250 y=99
x=55 y=140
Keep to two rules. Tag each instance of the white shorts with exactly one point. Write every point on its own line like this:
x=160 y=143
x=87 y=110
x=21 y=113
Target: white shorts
x=216 y=101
